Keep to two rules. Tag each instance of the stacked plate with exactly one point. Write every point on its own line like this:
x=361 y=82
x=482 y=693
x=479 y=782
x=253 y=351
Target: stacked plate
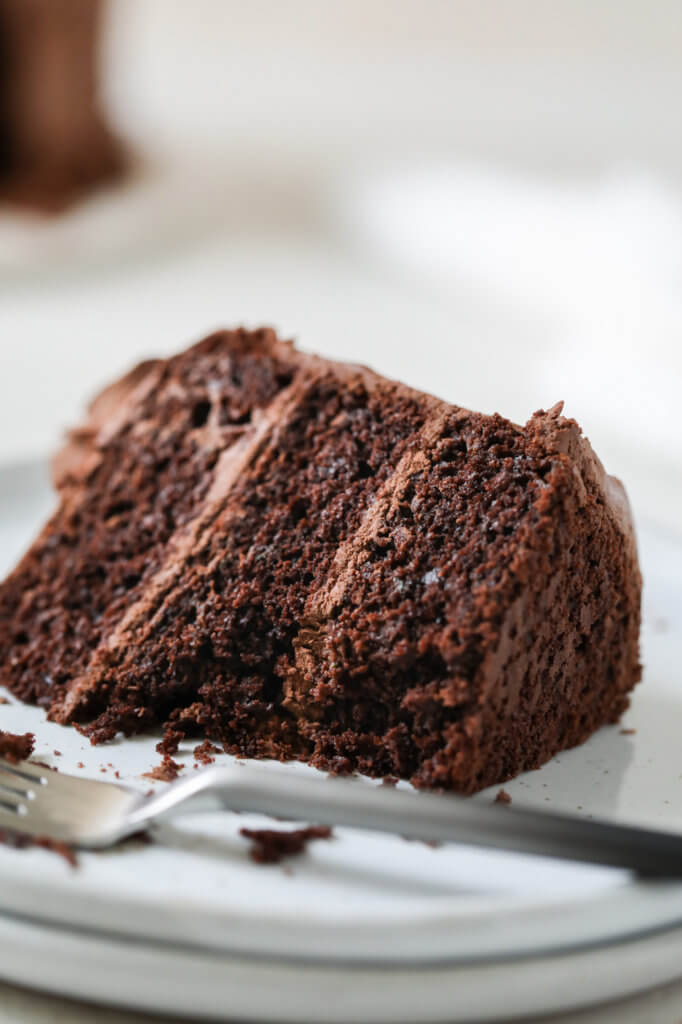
x=360 y=927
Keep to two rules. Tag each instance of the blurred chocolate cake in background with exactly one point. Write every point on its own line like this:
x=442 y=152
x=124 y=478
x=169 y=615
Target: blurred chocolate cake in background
x=55 y=144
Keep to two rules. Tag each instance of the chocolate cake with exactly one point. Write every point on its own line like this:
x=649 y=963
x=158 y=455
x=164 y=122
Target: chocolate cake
x=301 y=559
x=54 y=141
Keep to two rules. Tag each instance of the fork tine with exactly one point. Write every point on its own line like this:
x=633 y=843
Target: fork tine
x=14 y=822
x=32 y=825
x=24 y=768
x=17 y=783
x=10 y=799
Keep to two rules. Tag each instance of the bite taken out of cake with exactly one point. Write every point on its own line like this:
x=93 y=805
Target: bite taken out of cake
x=301 y=559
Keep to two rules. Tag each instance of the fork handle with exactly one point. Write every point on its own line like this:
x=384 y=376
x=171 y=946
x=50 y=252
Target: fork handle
x=427 y=816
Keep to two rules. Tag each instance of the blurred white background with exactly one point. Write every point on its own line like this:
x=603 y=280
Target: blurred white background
x=482 y=198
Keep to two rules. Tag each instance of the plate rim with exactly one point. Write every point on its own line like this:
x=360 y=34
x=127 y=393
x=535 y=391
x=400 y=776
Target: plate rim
x=444 y=993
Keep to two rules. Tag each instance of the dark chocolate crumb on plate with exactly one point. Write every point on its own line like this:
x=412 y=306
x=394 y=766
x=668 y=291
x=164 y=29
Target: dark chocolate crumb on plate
x=170 y=744
x=503 y=797
x=167 y=771
x=205 y=752
x=270 y=846
x=15 y=748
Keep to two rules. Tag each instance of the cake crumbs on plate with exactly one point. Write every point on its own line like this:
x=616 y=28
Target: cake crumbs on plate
x=167 y=771
x=170 y=743
x=15 y=747
x=205 y=752
x=270 y=846
x=502 y=797
x=628 y=732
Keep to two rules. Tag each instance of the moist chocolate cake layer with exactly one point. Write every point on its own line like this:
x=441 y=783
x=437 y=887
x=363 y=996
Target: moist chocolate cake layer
x=301 y=559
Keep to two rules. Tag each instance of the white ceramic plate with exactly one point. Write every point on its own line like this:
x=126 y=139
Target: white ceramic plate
x=360 y=909
x=185 y=982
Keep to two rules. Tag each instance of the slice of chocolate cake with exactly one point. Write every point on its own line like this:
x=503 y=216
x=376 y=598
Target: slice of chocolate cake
x=301 y=559
x=54 y=141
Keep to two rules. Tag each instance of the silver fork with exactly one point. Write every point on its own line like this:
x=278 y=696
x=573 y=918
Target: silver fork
x=37 y=802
